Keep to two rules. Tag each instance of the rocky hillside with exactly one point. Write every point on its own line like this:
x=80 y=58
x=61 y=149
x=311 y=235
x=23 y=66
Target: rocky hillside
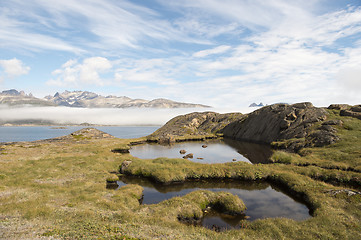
x=13 y=97
x=282 y=122
x=285 y=126
x=86 y=99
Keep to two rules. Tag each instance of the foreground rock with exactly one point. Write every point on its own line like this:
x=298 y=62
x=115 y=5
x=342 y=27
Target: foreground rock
x=290 y=125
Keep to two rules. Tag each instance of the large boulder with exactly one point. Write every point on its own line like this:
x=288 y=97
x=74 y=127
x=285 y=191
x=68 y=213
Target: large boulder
x=276 y=122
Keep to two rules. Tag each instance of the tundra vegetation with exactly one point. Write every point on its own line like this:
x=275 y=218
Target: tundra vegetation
x=56 y=189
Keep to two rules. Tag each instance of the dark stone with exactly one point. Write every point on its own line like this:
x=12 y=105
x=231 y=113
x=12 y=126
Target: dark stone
x=120 y=150
x=350 y=114
x=189 y=155
x=182 y=151
x=204 y=146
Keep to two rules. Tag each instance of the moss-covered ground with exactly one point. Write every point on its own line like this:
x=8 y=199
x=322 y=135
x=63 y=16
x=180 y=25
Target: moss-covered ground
x=56 y=190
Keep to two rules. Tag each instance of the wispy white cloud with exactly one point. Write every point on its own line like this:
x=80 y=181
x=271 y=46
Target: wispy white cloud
x=83 y=26
x=13 y=68
x=216 y=50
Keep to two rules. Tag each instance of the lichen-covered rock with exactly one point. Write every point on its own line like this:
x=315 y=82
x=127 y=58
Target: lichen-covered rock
x=276 y=122
x=351 y=113
x=339 y=106
x=323 y=137
x=193 y=124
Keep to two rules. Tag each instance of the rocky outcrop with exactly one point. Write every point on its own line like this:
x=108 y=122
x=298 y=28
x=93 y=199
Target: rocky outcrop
x=193 y=125
x=354 y=111
x=290 y=126
x=276 y=122
x=347 y=110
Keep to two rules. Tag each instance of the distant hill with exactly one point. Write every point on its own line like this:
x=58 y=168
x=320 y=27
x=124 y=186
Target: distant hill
x=256 y=105
x=84 y=99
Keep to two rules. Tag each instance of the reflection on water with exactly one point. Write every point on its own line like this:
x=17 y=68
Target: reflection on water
x=263 y=200
x=217 y=151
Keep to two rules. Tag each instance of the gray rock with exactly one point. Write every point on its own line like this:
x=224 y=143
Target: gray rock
x=350 y=113
x=189 y=155
x=339 y=106
x=276 y=122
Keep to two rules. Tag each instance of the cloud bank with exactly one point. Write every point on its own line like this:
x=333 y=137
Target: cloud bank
x=106 y=116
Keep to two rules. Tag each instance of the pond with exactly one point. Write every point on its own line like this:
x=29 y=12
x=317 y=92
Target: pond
x=216 y=151
x=263 y=200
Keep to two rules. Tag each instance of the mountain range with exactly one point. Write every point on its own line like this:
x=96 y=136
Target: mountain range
x=256 y=105
x=85 y=99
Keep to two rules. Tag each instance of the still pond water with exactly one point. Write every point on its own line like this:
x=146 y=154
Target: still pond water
x=263 y=200
x=20 y=134
x=216 y=151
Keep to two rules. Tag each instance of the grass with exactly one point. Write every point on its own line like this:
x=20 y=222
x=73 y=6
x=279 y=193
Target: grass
x=57 y=190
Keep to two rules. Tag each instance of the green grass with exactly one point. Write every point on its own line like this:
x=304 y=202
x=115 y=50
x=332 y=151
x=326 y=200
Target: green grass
x=57 y=190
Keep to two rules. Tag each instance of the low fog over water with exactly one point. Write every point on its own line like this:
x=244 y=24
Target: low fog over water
x=102 y=116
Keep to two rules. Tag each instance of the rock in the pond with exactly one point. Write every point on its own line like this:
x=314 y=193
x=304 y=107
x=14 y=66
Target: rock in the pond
x=182 y=151
x=234 y=159
x=204 y=146
x=189 y=155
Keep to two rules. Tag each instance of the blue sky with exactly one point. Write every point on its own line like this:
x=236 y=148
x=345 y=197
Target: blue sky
x=224 y=53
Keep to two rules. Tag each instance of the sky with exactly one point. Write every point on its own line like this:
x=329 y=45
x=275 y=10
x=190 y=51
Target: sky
x=223 y=53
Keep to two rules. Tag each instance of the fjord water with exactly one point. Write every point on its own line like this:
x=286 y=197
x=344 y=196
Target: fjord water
x=263 y=200
x=216 y=151
x=22 y=133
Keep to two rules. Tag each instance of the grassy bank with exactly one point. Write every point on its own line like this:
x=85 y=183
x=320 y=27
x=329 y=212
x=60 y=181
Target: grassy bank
x=56 y=190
